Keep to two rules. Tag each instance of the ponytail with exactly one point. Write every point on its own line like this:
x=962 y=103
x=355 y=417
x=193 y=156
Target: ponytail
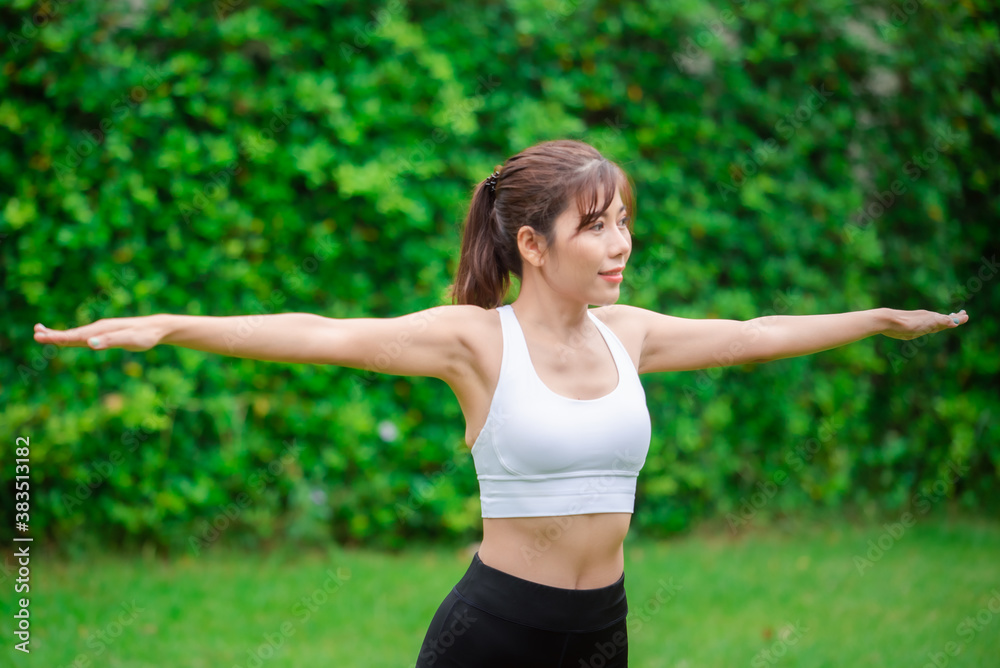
x=484 y=267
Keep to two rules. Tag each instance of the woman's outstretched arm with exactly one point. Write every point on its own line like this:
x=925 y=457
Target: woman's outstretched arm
x=423 y=343
x=279 y=337
x=794 y=335
x=686 y=344
x=283 y=337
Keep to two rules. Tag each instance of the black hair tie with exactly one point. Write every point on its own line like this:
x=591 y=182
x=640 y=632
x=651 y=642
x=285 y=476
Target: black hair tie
x=492 y=181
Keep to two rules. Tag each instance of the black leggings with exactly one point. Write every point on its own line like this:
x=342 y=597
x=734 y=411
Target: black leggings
x=495 y=619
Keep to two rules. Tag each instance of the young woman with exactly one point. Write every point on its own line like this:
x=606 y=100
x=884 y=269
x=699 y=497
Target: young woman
x=556 y=417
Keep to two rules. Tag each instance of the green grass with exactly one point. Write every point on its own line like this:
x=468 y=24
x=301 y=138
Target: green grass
x=732 y=598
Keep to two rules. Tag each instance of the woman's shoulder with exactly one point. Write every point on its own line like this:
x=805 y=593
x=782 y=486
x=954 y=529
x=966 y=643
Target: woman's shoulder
x=625 y=322
x=617 y=315
x=476 y=325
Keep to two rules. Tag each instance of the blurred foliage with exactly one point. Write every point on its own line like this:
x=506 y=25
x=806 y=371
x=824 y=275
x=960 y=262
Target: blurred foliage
x=257 y=157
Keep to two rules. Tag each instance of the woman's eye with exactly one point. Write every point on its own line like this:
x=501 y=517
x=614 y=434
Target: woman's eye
x=598 y=225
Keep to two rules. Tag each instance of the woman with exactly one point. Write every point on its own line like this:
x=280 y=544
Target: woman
x=555 y=414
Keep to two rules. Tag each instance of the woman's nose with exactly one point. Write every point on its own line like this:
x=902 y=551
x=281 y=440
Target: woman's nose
x=622 y=243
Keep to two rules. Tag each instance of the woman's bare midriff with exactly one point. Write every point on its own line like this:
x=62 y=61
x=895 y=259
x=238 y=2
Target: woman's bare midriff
x=569 y=551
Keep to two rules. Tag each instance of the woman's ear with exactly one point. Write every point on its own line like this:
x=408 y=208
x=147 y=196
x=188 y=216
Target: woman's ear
x=532 y=245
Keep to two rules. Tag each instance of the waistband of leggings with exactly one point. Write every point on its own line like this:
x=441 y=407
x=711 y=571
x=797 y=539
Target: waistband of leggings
x=540 y=605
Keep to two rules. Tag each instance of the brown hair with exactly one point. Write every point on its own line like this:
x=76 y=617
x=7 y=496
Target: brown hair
x=532 y=189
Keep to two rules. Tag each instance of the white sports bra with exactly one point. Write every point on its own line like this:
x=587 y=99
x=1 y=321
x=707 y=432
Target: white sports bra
x=541 y=453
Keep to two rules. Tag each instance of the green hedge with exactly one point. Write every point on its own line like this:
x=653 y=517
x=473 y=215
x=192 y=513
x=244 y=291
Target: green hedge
x=251 y=157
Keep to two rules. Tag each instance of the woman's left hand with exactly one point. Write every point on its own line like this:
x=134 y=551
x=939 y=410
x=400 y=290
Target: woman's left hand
x=908 y=325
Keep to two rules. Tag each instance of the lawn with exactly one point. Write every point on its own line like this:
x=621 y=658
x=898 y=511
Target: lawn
x=817 y=595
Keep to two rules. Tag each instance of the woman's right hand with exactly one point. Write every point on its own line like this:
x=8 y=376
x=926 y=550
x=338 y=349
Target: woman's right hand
x=907 y=325
x=133 y=334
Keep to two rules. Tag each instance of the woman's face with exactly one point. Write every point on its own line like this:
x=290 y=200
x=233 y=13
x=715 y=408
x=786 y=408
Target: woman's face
x=576 y=259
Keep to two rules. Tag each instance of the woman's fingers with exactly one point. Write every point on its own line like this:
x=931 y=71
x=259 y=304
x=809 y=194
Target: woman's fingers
x=78 y=337
x=956 y=319
x=55 y=337
x=951 y=320
x=132 y=334
x=913 y=324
